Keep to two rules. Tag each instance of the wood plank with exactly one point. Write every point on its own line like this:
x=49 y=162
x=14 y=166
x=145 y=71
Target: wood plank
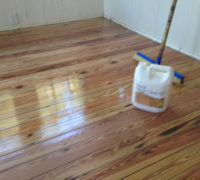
x=27 y=38
x=130 y=131
x=66 y=113
x=84 y=166
x=51 y=119
x=19 y=100
x=115 y=169
x=171 y=166
x=120 y=63
x=192 y=173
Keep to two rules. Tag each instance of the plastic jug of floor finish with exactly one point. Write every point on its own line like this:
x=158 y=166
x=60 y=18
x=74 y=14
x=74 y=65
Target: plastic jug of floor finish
x=151 y=87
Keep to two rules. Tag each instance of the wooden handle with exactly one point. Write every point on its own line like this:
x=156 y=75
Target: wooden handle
x=170 y=18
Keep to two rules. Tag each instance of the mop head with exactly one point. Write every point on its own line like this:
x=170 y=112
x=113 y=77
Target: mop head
x=177 y=79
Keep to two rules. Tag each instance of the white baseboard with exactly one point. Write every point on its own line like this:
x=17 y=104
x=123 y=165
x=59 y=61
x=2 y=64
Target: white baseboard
x=23 y=26
x=151 y=37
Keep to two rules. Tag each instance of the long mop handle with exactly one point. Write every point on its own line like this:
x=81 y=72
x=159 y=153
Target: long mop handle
x=163 y=44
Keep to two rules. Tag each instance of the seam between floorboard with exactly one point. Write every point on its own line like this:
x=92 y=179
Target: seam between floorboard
x=197 y=142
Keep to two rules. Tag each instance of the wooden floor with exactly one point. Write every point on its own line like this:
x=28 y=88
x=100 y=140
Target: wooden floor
x=66 y=113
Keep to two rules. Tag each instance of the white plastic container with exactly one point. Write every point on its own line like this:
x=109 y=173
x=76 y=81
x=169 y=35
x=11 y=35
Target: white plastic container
x=151 y=87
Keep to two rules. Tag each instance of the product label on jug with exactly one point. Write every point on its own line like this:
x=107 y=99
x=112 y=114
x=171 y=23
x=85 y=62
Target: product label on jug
x=149 y=97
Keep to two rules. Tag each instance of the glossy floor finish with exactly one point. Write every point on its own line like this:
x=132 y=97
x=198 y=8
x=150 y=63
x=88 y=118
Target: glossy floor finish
x=66 y=113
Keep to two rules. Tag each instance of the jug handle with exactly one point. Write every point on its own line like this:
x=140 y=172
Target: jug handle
x=160 y=67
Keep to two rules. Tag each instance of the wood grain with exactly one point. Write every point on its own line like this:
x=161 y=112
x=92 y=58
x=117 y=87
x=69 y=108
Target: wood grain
x=171 y=166
x=66 y=113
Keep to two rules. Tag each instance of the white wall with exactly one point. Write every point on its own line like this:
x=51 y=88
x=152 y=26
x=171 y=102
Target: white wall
x=39 y=12
x=148 y=17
